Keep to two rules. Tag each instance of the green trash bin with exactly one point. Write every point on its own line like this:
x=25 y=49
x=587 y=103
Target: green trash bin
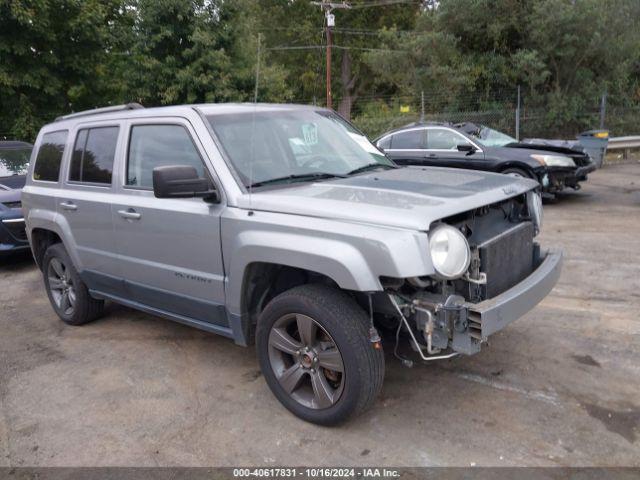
x=594 y=143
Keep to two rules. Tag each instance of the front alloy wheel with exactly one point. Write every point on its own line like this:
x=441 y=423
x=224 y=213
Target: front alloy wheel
x=306 y=361
x=315 y=354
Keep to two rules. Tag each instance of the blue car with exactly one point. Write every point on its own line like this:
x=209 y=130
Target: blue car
x=14 y=159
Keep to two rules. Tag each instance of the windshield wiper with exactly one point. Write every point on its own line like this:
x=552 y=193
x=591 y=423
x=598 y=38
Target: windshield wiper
x=297 y=178
x=370 y=166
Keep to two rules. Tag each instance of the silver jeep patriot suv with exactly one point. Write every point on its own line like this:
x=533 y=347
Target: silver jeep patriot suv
x=284 y=226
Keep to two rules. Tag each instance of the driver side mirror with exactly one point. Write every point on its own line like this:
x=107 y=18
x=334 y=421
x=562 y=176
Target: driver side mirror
x=466 y=147
x=182 y=181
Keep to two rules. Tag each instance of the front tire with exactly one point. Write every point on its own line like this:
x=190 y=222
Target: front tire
x=67 y=293
x=516 y=172
x=315 y=354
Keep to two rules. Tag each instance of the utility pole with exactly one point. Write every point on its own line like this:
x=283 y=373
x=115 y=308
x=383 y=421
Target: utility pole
x=518 y=116
x=255 y=93
x=603 y=108
x=329 y=23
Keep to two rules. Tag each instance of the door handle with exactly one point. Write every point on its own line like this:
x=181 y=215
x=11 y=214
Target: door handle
x=130 y=214
x=68 y=206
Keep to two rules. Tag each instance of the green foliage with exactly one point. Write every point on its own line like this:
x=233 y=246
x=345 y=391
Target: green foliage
x=52 y=53
x=467 y=56
x=565 y=54
x=288 y=26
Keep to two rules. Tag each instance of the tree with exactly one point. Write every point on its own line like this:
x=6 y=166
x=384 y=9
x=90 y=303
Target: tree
x=295 y=31
x=564 y=53
x=53 y=57
x=193 y=52
x=58 y=56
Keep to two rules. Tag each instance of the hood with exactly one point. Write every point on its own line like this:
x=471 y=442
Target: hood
x=12 y=182
x=410 y=197
x=547 y=147
x=9 y=196
x=515 y=151
x=526 y=149
x=14 y=185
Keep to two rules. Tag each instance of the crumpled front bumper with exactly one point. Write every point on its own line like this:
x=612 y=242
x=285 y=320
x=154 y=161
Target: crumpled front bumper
x=581 y=172
x=463 y=326
x=492 y=315
x=557 y=179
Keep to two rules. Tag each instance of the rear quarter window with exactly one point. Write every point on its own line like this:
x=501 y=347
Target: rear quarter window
x=385 y=142
x=49 y=157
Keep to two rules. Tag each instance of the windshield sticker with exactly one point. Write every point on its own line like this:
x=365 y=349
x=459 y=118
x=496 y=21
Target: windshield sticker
x=299 y=147
x=310 y=133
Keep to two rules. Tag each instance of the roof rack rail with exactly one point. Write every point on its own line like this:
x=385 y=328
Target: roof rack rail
x=115 y=108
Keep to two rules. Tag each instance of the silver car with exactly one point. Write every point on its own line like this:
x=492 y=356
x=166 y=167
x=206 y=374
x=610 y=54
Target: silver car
x=283 y=226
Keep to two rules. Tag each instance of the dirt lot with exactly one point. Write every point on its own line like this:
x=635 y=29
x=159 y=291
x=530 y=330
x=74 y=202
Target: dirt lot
x=559 y=387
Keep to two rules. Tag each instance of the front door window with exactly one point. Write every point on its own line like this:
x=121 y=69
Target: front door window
x=444 y=139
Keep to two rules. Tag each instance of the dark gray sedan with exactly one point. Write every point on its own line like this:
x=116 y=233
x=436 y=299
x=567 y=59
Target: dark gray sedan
x=477 y=147
x=14 y=158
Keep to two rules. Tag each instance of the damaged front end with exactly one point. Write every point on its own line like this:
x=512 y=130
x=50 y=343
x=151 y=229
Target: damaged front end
x=506 y=275
x=555 y=180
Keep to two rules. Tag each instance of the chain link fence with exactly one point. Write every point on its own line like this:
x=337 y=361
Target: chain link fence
x=376 y=115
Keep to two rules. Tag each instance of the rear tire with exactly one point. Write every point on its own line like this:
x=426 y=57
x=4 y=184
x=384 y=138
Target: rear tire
x=67 y=293
x=316 y=356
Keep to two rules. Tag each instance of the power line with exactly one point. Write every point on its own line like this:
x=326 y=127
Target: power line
x=375 y=33
x=296 y=47
x=382 y=3
x=338 y=47
x=368 y=49
x=336 y=29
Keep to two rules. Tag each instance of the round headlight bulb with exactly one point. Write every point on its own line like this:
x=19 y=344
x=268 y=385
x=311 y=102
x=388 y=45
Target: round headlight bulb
x=450 y=252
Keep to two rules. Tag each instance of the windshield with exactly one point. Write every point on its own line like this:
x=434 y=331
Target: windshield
x=14 y=161
x=492 y=138
x=274 y=146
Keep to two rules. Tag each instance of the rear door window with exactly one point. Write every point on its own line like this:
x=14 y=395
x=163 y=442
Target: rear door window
x=49 y=158
x=93 y=154
x=410 y=140
x=444 y=139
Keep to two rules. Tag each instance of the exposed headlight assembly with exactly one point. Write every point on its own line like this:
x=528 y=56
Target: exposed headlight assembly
x=450 y=252
x=534 y=204
x=554 y=160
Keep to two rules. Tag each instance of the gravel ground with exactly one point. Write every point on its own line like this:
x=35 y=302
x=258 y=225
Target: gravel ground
x=559 y=387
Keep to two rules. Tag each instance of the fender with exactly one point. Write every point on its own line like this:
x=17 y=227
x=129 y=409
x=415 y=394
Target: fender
x=521 y=165
x=50 y=220
x=352 y=255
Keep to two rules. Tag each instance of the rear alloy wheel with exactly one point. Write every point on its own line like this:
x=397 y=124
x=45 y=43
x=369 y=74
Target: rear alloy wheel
x=61 y=285
x=67 y=293
x=315 y=354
